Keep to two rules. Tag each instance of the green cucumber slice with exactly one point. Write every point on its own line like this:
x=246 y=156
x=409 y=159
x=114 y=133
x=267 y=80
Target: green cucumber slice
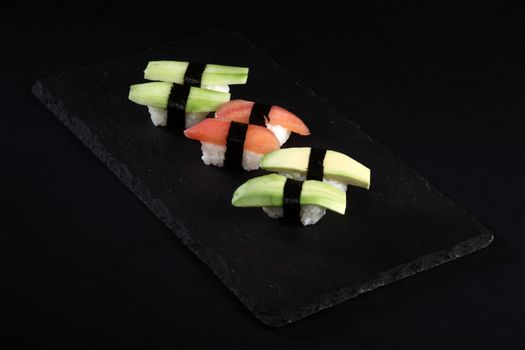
x=214 y=74
x=202 y=100
x=337 y=166
x=155 y=94
x=267 y=191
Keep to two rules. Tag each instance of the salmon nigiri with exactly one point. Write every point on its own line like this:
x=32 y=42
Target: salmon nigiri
x=280 y=121
x=248 y=142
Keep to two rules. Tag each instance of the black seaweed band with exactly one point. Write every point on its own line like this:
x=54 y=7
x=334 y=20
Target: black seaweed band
x=259 y=114
x=177 y=106
x=235 y=144
x=292 y=200
x=193 y=74
x=315 y=169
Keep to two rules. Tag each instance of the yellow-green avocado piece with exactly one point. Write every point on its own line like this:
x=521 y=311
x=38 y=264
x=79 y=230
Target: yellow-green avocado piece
x=267 y=191
x=337 y=166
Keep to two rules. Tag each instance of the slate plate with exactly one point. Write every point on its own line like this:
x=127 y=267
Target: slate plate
x=281 y=273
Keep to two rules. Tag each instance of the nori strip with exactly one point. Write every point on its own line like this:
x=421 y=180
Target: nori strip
x=177 y=106
x=193 y=74
x=235 y=144
x=259 y=114
x=315 y=169
x=291 y=200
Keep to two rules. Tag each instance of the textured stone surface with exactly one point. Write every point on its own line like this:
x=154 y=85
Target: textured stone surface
x=281 y=273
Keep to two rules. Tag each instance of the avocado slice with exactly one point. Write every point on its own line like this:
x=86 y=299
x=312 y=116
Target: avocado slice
x=267 y=191
x=337 y=166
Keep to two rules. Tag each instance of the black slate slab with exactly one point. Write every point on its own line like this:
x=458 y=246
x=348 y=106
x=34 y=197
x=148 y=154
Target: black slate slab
x=281 y=273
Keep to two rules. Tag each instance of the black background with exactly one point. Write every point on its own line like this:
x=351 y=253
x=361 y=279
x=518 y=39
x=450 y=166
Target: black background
x=85 y=264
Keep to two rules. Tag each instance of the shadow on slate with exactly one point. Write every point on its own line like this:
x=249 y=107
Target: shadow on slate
x=281 y=273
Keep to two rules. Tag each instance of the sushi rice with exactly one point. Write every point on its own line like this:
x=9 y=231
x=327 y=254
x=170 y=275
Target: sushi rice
x=302 y=177
x=159 y=116
x=310 y=214
x=220 y=88
x=213 y=154
x=280 y=132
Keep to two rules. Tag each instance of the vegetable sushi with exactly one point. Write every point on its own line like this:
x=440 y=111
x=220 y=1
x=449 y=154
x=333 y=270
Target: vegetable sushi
x=232 y=143
x=176 y=106
x=308 y=163
x=280 y=121
x=294 y=200
x=207 y=76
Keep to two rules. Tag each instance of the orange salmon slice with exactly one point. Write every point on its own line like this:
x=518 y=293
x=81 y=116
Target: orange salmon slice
x=258 y=139
x=239 y=111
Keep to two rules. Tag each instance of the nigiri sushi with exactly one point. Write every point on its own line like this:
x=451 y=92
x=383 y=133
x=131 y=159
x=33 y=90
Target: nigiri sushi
x=207 y=76
x=280 y=121
x=291 y=199
x=236 y=144
x=308 y=163
x=177 y=106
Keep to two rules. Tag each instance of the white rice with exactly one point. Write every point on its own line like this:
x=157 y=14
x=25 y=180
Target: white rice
x=193 y=118
x=340 y=185
x=251 y=160
x=159 y=117
x=281 y=133
x=310 y=214
x=213 y=154
x=301 y=177
x=220 y=88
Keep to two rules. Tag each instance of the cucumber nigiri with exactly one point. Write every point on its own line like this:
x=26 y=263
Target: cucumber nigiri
x=194 y=101
x=207 y=76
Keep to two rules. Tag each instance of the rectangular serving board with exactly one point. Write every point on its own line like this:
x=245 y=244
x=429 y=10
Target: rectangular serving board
x=282 y=273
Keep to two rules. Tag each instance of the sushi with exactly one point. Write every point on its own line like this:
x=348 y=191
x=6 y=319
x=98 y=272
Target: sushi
x=235 y=144
x=207 y=76
x=296 y=201
x=280 y=121
x=176 y=106
x=309 y=163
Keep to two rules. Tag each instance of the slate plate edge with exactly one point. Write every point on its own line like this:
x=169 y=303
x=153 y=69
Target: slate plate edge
x=215 y=261
x=398 y=273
